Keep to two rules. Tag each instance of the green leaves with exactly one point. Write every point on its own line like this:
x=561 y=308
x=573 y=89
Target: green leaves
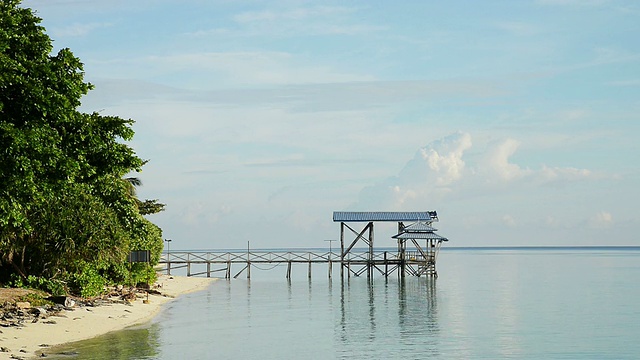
x=65 y=212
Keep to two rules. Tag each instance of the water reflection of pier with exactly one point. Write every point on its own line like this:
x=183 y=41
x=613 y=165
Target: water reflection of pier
x=403 y=311
x=418 y=248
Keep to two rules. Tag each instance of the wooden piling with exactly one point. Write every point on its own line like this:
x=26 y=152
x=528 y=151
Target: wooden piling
x=386 y=265
x=248 y=261
x=342 y=225
x=370 y=262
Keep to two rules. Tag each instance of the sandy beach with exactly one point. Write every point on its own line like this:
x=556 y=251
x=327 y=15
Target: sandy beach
x=88 y=322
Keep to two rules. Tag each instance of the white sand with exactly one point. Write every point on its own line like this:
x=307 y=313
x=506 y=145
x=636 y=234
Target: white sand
x=88 y=322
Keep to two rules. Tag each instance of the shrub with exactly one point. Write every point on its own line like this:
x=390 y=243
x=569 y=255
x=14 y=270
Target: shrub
x=88 y=282
x=54 y=287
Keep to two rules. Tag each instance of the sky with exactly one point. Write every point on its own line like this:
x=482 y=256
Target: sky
x=517 y=121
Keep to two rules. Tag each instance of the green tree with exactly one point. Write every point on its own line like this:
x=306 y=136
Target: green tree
x=146 y=207
x=64 y=209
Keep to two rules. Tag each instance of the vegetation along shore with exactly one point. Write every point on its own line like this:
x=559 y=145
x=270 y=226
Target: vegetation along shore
x=69 y=214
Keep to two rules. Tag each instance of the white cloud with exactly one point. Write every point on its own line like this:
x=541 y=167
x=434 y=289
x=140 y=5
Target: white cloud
x=547 y=174
x=229 y=69
x=444 y=158
x=297 y=22
x=497 y=160
x=519 y=28
x=210 y=32
x=574 y=2
x=297 y=14
x=625 y=83
x=78 y=30
x=601 y=220
x=605 y=56
x=432 y=171
x=356 y=29
x=575 y=114
x=361 y=101
x=552 y=222
x=496 y=167
x=450 y=167
x=508 y=220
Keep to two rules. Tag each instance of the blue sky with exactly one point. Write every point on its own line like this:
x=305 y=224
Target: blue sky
x=516 y=120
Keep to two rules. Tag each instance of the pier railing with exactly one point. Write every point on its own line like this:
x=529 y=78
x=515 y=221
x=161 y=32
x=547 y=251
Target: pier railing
x=179 y=257
x=354 y=262
x=185 y=259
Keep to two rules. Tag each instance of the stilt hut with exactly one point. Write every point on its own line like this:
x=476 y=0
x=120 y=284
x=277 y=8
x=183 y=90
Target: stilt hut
x=413 y=228
x=421 y=260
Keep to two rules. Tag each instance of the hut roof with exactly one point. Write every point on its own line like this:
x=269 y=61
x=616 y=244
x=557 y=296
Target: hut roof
x=419 y=227
x=366 y=216
x=420 y=236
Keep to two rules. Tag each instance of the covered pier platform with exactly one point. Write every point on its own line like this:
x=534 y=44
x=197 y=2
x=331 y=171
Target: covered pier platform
x=418 y=244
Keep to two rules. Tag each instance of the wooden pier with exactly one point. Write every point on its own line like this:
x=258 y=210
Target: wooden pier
x=414 y=229
x=234 y=263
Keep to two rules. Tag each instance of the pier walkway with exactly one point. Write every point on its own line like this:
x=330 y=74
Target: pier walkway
x=356 y=262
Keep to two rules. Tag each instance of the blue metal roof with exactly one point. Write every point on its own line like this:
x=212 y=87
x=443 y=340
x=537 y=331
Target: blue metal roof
x=420 y=236
x=366 y=216
x=419 y=227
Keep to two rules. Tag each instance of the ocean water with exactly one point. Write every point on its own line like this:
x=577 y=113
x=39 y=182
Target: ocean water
x=547 y=303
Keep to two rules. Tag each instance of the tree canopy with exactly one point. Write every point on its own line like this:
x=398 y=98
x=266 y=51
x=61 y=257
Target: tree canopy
x=67 y=214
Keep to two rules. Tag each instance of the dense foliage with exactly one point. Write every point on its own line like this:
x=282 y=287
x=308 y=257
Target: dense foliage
x=68 y=217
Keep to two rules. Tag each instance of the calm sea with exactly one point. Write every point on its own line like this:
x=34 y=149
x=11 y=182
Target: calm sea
x=545 y=303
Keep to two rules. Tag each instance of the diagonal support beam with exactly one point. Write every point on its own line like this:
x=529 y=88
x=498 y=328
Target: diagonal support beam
x=419 y=248
x=359 y=236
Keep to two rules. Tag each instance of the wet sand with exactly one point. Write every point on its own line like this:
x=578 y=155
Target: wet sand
x=87 y=322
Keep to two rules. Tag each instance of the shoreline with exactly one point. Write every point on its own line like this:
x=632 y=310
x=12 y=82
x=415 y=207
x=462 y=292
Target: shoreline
x=83 y=323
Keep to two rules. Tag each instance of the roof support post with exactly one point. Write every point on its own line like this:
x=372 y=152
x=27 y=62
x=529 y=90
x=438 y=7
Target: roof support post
x=370 y=262
x=341 y=250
